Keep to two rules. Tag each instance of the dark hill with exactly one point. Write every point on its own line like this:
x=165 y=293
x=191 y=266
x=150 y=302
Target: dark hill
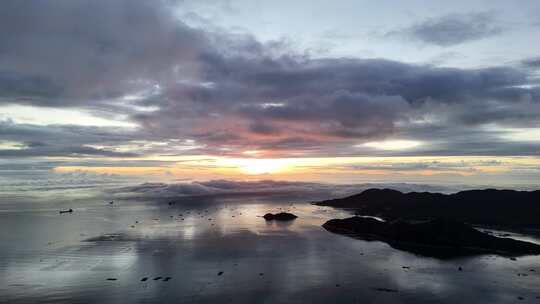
x=502 y=208
x=438 y=238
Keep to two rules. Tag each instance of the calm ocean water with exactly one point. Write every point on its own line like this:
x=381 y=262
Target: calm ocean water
x=220 y=250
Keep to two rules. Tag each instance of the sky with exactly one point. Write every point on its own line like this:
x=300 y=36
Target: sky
x=320 y=91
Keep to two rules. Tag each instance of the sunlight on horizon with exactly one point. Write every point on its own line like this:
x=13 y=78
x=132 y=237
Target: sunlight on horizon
x=262 y=166
x=470 y=169
x=392 y=144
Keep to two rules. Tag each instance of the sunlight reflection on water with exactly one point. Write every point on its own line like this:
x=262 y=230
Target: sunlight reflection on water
x=48 y=257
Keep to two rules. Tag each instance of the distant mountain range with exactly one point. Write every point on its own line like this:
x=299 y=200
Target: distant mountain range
x=489 y=207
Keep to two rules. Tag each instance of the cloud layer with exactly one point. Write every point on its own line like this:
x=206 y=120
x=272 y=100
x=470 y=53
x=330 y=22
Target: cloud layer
x=220 y=92
x=264 y=187
x=453 y=29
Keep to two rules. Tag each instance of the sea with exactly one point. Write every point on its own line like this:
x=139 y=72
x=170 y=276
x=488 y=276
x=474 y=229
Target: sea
x=217 y=248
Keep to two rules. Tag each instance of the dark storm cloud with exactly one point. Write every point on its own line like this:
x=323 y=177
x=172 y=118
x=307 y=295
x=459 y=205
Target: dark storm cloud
x=322 y=101
x=532 y=62
x=258 y=127
x=56 y=140
x=340 y=81
x=30 y=165
x=66 y=52
x=19 y=88
x=453 y=29
x=229 y=92
x=62 y=151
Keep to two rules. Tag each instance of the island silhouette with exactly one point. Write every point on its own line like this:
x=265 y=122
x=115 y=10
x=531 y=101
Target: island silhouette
x=505 y=209
x=441 y=225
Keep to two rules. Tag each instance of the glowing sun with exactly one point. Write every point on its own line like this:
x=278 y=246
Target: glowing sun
x=262 y=166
